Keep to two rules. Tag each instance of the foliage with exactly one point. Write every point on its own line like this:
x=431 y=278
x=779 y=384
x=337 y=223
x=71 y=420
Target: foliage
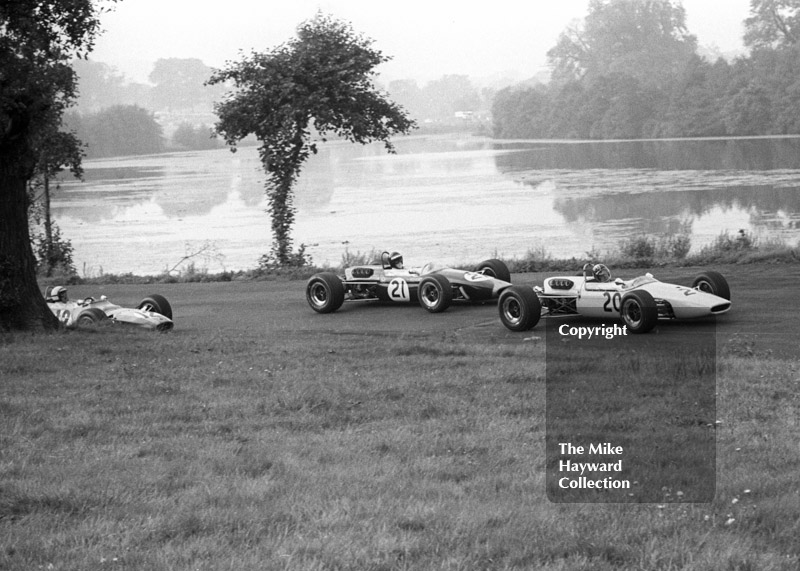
x=639 y=247
x=195 y=138
x=54 y=254
x=642 y=39
x=320 y=80
x=630 y=71
x=37 y=42
x=118 y=130
x=179 y=83
x=772 y=24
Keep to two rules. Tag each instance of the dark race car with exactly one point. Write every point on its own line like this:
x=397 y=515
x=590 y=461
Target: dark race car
x=435 y=288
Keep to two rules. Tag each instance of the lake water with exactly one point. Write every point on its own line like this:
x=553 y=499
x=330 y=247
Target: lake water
x=444 y=199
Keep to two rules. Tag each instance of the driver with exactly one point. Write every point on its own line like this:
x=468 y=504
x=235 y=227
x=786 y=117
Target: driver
x=57 y=294
x=601 y=273
x=396 y=261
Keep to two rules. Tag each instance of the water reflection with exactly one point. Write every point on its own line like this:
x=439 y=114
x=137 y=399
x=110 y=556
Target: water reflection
x=748 y=154
x=444 y=199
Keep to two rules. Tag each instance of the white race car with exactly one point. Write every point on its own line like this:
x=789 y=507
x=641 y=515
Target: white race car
x=153 y=312
x=639 y=302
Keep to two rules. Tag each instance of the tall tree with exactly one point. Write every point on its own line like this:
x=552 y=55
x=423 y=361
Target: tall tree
x=645 y=39
x=179 y=83
x=38 y=39
x=55 y=150
x=772 y=24
x=322 y=79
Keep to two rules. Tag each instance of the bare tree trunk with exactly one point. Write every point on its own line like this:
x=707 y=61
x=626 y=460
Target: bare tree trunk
x=22 y=306
x=48 y=226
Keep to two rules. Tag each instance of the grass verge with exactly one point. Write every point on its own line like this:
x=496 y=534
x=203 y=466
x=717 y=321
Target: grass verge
x=236 y=450
x=636 y=252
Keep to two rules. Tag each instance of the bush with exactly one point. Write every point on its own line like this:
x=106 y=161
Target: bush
x=640 y=247
x=676 y=247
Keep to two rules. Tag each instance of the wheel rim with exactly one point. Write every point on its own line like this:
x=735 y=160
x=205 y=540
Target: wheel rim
x=632 y=312
x=489 y=272
x=85 y=321
x=512 y=310
x=318 y=294
x=703 y=285
x=430 y=295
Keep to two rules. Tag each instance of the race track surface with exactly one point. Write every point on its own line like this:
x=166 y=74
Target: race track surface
x=764 y=311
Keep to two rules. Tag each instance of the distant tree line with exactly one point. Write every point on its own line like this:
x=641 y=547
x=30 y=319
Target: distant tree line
x=117 y=130
x=631 y=70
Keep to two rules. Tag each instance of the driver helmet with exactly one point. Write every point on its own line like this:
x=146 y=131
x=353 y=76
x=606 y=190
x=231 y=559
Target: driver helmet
x=601 y=273
x=396 y=261
x=58 y=293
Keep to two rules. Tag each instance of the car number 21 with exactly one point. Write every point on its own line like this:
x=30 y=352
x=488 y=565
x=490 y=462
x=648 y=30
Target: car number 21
x=612 y=302
x=398 y=290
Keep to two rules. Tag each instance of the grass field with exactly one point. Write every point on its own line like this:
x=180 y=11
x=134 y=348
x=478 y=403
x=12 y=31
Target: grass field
x=235 y=449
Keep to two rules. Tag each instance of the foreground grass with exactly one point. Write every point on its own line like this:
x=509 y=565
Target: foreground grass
x=121 y=449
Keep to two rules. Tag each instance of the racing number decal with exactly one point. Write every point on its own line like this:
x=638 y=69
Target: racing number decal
x=475 y=277
x=398 y=290
x=612 y=300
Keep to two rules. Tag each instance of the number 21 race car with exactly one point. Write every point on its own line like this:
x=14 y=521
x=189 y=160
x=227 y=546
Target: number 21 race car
x=639 y=302
x=435 y=288
x=153 y=312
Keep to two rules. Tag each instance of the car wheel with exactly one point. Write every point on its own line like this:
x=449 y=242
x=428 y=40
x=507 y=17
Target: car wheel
x=91 y=317
x=520 y=308
x=495 y=269
x=639 y=311
x=714 y=283
x=157 y=304
x=435 y=293
x=325 y=292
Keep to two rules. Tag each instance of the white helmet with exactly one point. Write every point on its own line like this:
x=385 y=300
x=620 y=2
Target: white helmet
x=601 y=273
x=56 y=294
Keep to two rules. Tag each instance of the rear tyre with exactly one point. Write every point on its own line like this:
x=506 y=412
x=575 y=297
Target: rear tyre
x=520 y=308
x=714 y=283
x=435 y=293
x=91 y=317
x=325 y=292
x=156 y=303
x=639 y=311
x=495 y=269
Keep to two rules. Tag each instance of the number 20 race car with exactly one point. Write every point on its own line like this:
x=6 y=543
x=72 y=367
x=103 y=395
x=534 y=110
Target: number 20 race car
x=153 y=312
x=639 y=302
x=433 y=287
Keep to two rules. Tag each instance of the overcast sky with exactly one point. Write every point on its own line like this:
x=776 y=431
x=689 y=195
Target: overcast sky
x=425 y=38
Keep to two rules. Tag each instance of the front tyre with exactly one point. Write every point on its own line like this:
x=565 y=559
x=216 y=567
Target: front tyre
x=157 y=304
x=495 y=269
x=520 y=308
x=714 y=283
x=325 y=292
x=91 y=317
x=435 y=293
x=639 y=311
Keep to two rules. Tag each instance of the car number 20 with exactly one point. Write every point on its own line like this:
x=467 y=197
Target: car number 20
x=612 y=302
x=398 y=290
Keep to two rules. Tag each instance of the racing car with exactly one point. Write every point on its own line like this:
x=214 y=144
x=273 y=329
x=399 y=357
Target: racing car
x=640 y=302
x=435 y=288
x=153 y=312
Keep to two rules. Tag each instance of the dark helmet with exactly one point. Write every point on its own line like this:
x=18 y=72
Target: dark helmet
x=396 y=260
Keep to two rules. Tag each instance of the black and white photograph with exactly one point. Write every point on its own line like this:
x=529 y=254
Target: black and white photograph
x=352 y=285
